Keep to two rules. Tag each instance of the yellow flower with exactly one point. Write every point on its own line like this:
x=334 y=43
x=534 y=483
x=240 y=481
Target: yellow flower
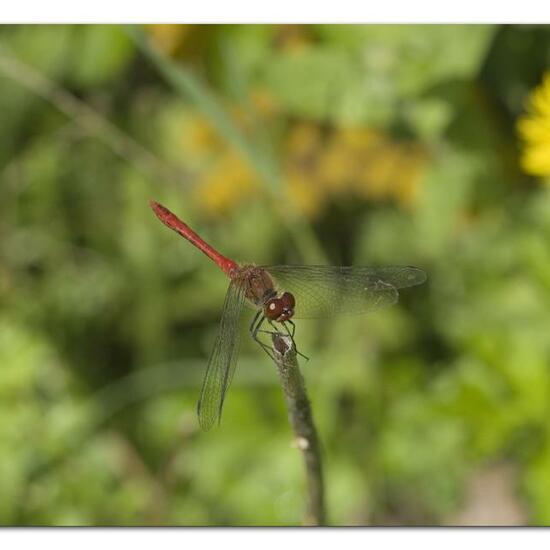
x=228 y=183
x=319 y=164
x=292 y=37
x=264 y=102
x=303 y=141
x=302 y=145
x=200 y=137
x=167 y=37
x=359 y=161
x=302 y=192
x=534 y=129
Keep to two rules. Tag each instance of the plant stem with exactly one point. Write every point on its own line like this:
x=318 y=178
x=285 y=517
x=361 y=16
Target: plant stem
x=301 y=419
x=87 y=118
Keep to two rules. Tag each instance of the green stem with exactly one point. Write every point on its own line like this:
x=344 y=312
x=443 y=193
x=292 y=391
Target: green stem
x=301 y=419
x=87 y=118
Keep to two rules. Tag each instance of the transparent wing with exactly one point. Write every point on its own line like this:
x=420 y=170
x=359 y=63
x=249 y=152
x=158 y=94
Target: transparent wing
x=223 y=359
x=323 y=291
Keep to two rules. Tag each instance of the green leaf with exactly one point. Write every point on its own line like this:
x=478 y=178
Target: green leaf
x=415 y=56
x=100 y=53
x=327 y=84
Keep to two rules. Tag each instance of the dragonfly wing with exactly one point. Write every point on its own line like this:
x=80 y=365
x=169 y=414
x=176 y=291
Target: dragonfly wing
x=223 y=359
x=324 y=291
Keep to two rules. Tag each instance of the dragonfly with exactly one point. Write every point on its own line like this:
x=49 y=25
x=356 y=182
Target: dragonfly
x=279 y=294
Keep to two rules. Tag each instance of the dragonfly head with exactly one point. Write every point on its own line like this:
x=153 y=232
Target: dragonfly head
x=280 y=309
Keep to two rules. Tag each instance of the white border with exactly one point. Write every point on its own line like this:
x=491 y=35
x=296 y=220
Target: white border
x=245 y=539
x=279 y=11
x=241 y=11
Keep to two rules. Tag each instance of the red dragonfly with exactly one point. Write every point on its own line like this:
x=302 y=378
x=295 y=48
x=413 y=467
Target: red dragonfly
x=280 y=293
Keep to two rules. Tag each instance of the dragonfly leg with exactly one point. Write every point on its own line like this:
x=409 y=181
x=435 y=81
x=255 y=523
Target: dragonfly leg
x=254 y=320
x=291 y=335
x=255 y=329
x=291 y=323
x=257 y=322
x=273 y=332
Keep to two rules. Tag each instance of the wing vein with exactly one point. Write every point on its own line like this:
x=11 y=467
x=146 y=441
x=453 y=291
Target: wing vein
x=223 y=359
x=323 y=291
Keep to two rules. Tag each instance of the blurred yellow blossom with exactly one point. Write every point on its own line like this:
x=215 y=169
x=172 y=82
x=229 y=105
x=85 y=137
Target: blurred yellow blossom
x=534 y=129
x=200 y=137
x=264 y=102
x=167 y=37
x=292 y=37
x=360 y=161
x=187 y=42
x=226 y=184
x=303 y=140
x=301 y=193
x=319 y=163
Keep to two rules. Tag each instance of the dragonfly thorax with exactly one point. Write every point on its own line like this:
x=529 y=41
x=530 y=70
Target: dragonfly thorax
x=257 y=283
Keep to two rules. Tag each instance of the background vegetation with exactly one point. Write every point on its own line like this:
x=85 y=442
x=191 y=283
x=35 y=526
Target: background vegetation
x=280 y=144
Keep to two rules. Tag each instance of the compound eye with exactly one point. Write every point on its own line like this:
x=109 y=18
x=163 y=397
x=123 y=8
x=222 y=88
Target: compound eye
x=288 y=300
x=274 y=309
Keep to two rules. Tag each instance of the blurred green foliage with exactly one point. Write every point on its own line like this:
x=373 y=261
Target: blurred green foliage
x=107 y=319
